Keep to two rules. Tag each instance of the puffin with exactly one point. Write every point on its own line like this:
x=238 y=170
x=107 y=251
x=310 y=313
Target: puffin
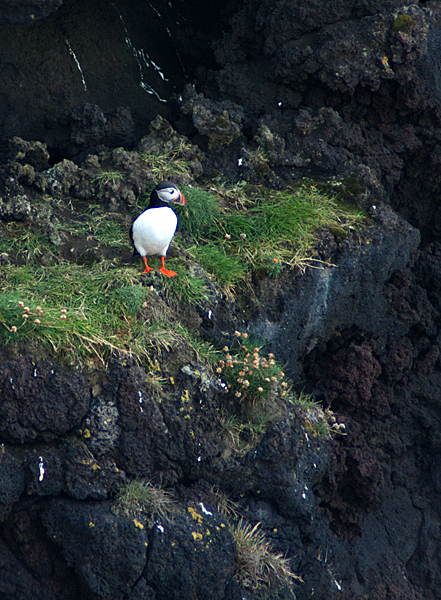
x=153 y=230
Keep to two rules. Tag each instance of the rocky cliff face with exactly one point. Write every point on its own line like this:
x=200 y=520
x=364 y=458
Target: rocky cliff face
x=266 y=93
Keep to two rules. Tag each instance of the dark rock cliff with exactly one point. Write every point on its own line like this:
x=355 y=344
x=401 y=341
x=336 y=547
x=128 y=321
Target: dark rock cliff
x=266 y=91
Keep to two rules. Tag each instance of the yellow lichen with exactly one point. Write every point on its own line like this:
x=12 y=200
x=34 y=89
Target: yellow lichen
x=196 y=516
x=138 y=524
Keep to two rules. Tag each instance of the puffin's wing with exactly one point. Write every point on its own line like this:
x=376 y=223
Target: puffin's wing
x=135 y=251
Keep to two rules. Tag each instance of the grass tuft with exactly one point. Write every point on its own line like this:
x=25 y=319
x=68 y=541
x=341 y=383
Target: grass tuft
x=257 y=566
x=201 y=213
x=225 y=506
x=139 y=496
x=169 y=164
x=106 y=177
x=132 y=297
x=257 y=391
x=228 y=269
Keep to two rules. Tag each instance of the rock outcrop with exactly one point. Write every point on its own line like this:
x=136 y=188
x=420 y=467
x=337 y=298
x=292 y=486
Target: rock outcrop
x=345 y=93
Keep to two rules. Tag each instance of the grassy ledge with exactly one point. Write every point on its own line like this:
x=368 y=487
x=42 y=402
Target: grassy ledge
x=245 y=229
x=89 y=311
x=102 y=307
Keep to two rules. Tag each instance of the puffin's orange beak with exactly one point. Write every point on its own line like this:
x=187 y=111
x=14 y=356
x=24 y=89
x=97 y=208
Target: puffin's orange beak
x=181 y=200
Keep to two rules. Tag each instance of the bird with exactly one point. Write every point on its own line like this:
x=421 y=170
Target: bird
x=153 y=230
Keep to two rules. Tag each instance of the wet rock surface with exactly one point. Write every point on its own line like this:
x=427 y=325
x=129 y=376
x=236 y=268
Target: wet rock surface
x=24 y=12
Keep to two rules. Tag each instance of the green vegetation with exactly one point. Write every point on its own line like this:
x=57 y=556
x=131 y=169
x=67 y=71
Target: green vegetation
x=96 y=224
x=169 y=164
x=95 y=310
x=257 y=397
x=243 y=433
x=108 y=177
x=189 y=290
x=316 y=420
x=257 y=566
x=140 y=496
x=228 y=269
x=109 y=307
x=251 y=229
x=73 y=308
x=404 y=23
x=250 y=377
x=201 y=212
x=257 y=391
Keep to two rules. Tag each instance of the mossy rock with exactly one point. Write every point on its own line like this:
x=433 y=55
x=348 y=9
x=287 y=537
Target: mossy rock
x=404 y=23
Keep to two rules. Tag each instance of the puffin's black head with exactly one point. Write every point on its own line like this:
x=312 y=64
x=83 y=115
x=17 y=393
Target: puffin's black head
x=165 y=193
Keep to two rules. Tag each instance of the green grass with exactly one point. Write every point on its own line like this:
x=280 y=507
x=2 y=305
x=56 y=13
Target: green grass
x=82 y=311
x=230 y=232
x=259 y=229
x=96 y=223
x=227 y=268
x=168 y=164
x=139 y=496
x=99 y=303
x=186 y=289
x=108 y=177
x=240 y=434
x=27 y=245
x=201 y=212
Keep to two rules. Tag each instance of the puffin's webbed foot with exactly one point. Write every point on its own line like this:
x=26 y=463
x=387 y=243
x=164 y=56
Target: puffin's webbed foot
x=147 y=268
x=165 y=271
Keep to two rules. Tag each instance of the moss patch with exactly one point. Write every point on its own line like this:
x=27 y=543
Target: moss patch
x=404 y=23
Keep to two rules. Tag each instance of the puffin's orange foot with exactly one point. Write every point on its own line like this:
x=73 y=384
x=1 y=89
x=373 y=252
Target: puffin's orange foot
x=167 y=272
x=147 y=268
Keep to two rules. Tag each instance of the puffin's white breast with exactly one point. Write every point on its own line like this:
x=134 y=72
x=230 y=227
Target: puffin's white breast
x=153 y=230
